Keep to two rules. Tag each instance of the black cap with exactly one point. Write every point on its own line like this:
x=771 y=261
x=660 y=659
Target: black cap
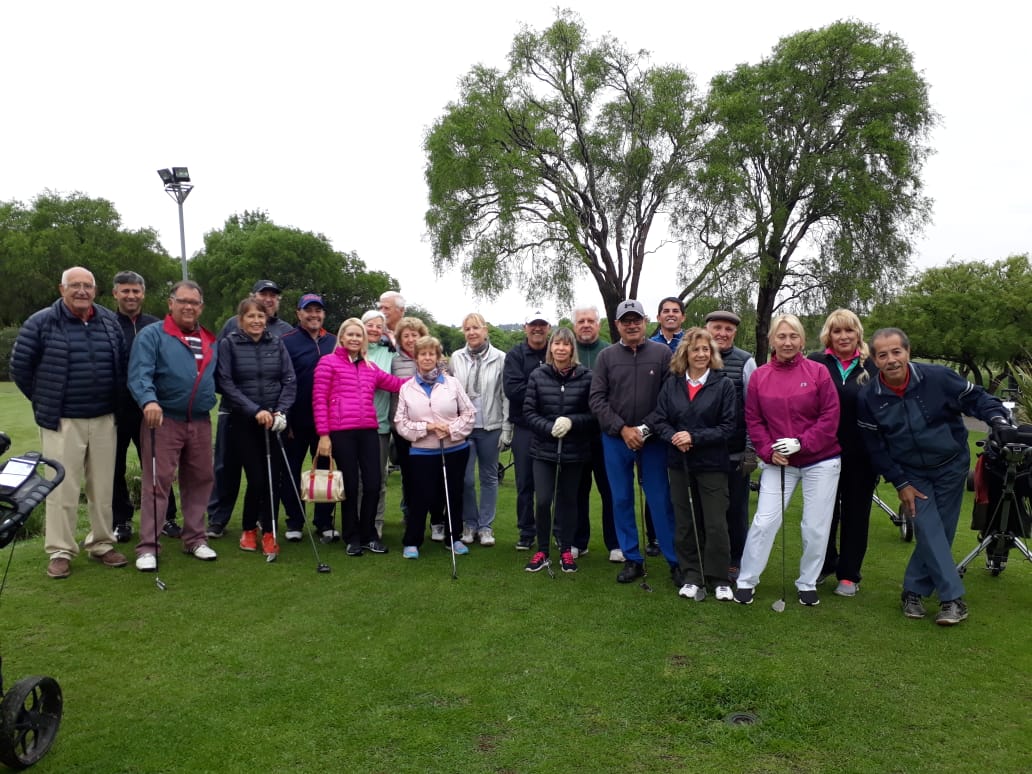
x=261 y=285
x=726 y=316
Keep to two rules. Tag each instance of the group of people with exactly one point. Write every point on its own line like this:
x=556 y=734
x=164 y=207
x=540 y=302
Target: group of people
x=685 y=414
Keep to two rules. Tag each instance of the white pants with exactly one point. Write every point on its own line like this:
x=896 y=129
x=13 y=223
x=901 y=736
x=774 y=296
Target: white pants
x=820 y=483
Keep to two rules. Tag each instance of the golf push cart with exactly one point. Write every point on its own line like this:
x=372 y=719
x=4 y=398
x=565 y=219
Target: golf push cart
x=30 y=711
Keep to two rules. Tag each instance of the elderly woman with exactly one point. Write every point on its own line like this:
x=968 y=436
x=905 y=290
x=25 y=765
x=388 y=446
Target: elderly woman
x=556 y=409
x=792 y=416
x=478 y=367
x=381 y=352
x=436 y=417
x=848 y=361
x=696 y=414
x=345 y=418
x=407 y=332
x=256 y=379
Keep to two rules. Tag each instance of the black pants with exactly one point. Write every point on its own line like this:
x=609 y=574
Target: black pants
x=737 y=512
x=228 y=470
x=426 y=492
x=595 y=466
x=357 y=452
x=562 y=481
x=700 y=497
x=128 y=431
x=299 y=442
x=247 y=438
x=521 y=438
x=851 y=520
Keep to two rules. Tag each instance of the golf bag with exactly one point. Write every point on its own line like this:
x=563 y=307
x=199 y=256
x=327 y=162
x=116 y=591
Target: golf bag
x=1008 y=450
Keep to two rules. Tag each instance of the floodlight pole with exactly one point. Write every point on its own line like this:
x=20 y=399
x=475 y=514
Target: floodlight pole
x=179 y=192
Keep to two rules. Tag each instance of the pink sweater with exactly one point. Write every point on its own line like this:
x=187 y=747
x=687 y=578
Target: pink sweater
x=342 y=395
x=447 y=402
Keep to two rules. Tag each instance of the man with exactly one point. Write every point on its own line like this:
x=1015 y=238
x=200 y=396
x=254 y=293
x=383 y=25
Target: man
x=227 y=465
x=393 y=307
x=520 y=362
x=129 y=290
x=69 y=360
x=172 y=378
x=586 y=324
x=625 y=385
x=671 y=318
x=910 y=417
x=305 y=344
x=739 y=365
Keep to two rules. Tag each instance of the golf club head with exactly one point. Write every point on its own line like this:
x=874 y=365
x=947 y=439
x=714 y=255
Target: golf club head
x=322 y=568
x=644 y=585
x=160 y=583
x=778 y=606
x=270 y=558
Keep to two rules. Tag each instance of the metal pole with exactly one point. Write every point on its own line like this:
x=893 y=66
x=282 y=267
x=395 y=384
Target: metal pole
x=182 y=235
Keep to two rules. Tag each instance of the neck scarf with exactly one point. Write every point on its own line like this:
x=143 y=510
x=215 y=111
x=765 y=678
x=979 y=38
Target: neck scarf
x=473 y=379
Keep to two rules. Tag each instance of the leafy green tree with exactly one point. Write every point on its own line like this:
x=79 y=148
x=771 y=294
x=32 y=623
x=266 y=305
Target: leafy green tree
x=815 y=162
x=251 y=247
x=559 y=165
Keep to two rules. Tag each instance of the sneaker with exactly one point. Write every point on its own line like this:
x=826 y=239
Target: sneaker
x=723 y=594
x=951 y=613
x=461 y=549
x=487 y=537
x=215 y=531
x=269 y=547
x=809 y=598
x=911 y=604
x=691 y=591
x=524 y=544
x=147 y=563
x=123 y=532
x=652 y=549
x=329 y=536
x=468 y=535
x=59 y=567
x=410 y=552
x=172 y=530
x=631 y=570
x=616 y=556
x=110 y=559
x=293 y=535
x=566 y=561
x=354 y=549
x=538 y=562
x=203 y=552
x=249 y=540
x=437 y=533
x=376 y=546
x=743 y=596
x=846 y=588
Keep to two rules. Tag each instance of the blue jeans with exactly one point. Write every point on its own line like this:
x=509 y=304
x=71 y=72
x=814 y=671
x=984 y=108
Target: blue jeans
x=483 y=452
x=620 y=464
x=931 y=567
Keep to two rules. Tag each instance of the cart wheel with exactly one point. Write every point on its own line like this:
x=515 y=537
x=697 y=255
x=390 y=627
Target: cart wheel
x=29 y=718
x=961 y=571
x=970 y=481
x=906 y=526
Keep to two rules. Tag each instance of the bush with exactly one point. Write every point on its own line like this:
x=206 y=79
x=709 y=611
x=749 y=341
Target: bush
x=7 y=336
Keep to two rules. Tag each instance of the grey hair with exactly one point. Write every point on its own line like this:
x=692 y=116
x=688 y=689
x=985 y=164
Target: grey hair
x=69 y=270
x=128 y=278
x=373 y=313
x=189 y=285
x=587 y=308
x=395 y=297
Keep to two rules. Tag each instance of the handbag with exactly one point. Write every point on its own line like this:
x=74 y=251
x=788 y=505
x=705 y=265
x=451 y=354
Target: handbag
x=322 y=486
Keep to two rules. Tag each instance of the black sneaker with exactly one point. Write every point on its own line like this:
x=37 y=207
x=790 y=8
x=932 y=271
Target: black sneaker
x=652 y=549
x=743 y=596
x=215 y=531
x=524 y=544
x=567 y=562
x=376 y=546
x=911 y=604
x=354 y=549
x=809 y=598
x=951 y=613
x=172 y=530
x=538 y=562
x=631 y=571
x=123 y=532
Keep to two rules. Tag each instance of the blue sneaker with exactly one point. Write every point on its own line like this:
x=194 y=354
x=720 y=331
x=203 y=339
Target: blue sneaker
x=410 y=552
x=460 y=547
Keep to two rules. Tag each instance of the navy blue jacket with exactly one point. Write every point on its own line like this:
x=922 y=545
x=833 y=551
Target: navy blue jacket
x=551 y=395
x=304 y=353
x=520 y=362
x=711 y=418
x=255 y=375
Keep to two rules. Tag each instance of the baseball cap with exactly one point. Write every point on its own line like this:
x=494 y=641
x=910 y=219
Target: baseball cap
x=630 y=306
x=261 y=285
x=536 y=315
x=310 y=298
x=723 y=315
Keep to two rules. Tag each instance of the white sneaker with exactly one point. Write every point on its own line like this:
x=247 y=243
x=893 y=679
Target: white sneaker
x=146 y=563
x=487 y=537
x=616 y=556
x=468 y=535
x=204 y=552
x=437 y=532
x=691 y=591
x=293 y=535
x=724 y=594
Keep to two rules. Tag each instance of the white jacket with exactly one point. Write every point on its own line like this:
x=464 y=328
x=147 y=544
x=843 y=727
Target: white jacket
x=494 y=406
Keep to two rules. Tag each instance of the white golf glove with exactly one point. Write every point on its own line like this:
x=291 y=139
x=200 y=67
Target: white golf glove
x=505 y=439
x=786 y=446
x=561 y=427
x=279 y=423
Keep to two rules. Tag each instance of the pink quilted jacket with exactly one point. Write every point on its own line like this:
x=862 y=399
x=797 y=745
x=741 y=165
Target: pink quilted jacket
x=342 y=396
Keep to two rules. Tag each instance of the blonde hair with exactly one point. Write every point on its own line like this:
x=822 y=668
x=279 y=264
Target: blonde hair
x=355 y=323
x=847 y=320
x=423 y=343
x=792 y=322
x=692 y=336
x=410 y=323
x=565 y=335
x=474 y=317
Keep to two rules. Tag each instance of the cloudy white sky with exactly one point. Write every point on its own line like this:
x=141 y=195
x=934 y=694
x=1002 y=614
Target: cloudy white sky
x=316 y=111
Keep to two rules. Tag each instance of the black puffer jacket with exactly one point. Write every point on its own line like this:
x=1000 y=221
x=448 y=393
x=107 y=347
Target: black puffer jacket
x=711 y=418
x=551 y=395
x=255 y=375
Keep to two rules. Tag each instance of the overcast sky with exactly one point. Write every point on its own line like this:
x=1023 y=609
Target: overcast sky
x=316 y=111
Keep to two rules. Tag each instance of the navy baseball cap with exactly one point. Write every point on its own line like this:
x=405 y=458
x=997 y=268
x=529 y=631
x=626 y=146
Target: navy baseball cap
x=261 y=285
x=310 y=298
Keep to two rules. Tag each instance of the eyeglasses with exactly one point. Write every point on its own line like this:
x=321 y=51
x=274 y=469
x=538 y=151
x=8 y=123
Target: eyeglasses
x=188 y=302
x=80 y=286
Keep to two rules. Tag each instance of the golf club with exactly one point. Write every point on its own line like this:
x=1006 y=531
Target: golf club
x=319 y=566
x=701 y=593
x=641 y=512
x=778 y=605
x=555 y=497
x=154 y=503
x=447 y=511
x=269 y=558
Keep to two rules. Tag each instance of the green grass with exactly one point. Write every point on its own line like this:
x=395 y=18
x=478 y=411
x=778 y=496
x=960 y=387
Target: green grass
x=390 y=666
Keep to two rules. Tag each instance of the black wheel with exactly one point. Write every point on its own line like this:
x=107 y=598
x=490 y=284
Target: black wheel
x=501 y=472
x=971 y=481
x=30 y=715
x=906 y=527
x=961 y=571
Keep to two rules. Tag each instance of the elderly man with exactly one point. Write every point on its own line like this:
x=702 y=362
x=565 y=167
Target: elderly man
x=172 y=378
x=129 y=291
x=69 y=360
x=625 y=386
x=739 y=365
x=520 y=362
x=392 y=304
x=910 y=417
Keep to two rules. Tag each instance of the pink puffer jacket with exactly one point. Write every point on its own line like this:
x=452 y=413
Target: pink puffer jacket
x=342 y=395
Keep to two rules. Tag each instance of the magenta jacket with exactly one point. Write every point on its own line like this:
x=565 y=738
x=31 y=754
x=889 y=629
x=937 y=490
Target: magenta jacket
x=796 y=399
x=342 y=395
x=447 y=402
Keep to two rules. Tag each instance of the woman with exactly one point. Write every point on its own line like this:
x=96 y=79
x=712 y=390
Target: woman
x=792 y=415
x=848 y=361
x=407 y=332
x=478 y=367
x=696 y=413
x=256 y=379
x=436 y=417
x=381 y=352
x=556 y=410
x=345 y=419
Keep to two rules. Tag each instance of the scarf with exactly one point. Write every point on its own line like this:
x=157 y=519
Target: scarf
x=473 y=379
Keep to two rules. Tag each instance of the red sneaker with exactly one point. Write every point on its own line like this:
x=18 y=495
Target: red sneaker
x=269 y=547
x=249 y=540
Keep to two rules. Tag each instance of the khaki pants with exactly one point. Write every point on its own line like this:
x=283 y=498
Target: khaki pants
x=86 y=448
